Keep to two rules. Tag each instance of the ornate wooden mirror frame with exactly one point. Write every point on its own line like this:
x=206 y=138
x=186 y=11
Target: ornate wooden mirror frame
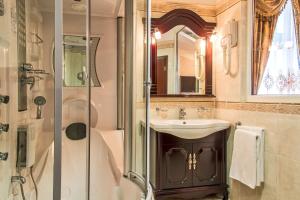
x=200 y=27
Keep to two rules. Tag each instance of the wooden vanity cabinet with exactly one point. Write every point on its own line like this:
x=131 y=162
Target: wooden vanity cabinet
x=188 y=168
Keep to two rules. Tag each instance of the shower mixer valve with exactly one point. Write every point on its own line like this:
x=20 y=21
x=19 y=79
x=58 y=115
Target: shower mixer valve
x=4 y=99
x=3 y=156
x=31 y=80
x=4 y=127
x=26 y=67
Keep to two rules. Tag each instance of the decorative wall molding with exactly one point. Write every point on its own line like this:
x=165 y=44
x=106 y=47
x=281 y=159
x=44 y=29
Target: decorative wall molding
x=225 y=5
x=282 y=108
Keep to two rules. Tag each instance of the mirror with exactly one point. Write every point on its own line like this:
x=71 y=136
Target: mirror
x=181 y=62
x=75 y=72
x=181 y=55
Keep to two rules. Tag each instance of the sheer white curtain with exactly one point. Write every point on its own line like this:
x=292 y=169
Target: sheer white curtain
x=282 y=74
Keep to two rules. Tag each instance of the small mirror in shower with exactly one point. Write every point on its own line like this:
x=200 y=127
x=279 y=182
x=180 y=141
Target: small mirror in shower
x=75 y=70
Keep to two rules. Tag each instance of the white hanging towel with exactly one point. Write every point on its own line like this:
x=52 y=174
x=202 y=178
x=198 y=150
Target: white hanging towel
x=247 y=164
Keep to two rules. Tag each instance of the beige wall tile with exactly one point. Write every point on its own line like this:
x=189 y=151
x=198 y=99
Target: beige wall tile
x=288 y=179
x=235 y=190
x=247 y=193
x=289 y=134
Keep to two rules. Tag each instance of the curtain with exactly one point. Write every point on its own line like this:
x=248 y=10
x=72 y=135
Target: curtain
x=296 y=9
x=266 y=16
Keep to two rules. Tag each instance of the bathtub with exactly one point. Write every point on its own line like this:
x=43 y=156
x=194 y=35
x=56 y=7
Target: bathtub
x=106 y=168
x=115 y=142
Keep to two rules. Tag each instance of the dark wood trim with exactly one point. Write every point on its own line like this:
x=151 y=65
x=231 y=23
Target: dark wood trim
x=153 y=69
x=190 y=193
x=183 y=95
x=200 y=27
x=183 y=17
x=208 y=67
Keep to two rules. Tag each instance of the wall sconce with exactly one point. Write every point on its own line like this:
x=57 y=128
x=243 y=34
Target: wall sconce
x=157 y=34
x=213 y=37
x=202 y=46
x=153 y=40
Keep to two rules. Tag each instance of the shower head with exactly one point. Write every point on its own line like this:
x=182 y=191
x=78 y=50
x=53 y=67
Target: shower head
x=40 y=101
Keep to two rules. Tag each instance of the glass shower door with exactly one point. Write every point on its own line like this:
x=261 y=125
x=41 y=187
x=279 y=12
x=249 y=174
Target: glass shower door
x=44 y=125
x=5 y=49
x=73 y=77
x=26 y=99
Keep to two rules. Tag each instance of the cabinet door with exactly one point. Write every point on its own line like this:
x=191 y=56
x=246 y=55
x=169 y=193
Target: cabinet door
x=176 y=171
x=207 y=164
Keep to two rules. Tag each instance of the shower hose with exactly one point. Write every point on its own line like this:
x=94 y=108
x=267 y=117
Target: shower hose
x=22 y=180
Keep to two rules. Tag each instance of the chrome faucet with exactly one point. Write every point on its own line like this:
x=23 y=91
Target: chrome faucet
x=182 y=113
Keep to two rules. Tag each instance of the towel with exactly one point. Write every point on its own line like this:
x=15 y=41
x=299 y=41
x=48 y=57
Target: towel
x=247 y=164
x=260 y=133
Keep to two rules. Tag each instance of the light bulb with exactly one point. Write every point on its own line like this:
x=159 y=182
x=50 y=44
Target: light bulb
x=153 y=40
x=157 y=34
x=213 y=37
x=202 y=47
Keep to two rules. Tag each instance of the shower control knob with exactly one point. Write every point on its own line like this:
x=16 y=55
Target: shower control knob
x=4 y=127
x=3 y=156
x=4 y=99
x=26 y=67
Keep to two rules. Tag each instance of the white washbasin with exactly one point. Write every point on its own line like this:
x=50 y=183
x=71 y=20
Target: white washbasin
x=191 y=128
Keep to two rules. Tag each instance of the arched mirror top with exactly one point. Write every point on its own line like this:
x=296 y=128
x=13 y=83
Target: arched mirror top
x=183 y=17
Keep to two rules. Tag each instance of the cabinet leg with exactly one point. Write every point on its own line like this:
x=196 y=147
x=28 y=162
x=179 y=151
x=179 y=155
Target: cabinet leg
x=225 y=195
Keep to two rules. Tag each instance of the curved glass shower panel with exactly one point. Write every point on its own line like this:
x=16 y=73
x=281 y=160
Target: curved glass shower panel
x=75 y=134
x=138 y=136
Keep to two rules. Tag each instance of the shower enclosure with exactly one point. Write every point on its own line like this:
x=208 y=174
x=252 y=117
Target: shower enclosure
x=46 y=79
x=33 y=115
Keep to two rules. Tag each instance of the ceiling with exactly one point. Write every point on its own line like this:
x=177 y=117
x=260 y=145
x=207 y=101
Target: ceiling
x=204 y=8
x=102 y=8
x=196 y=2
x=115 y=8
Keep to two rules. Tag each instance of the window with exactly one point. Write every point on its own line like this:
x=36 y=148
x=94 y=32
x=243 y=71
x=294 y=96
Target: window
x=282 y=72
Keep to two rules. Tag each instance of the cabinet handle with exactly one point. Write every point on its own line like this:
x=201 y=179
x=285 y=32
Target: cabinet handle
x=190 y=161
x=194 y=161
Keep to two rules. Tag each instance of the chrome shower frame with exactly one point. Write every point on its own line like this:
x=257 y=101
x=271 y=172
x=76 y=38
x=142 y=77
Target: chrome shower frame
x=58 y=87
x=58 y=93
x=88 y=124
x=148 y=93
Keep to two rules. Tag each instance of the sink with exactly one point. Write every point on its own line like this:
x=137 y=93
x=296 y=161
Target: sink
x=191 y=128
